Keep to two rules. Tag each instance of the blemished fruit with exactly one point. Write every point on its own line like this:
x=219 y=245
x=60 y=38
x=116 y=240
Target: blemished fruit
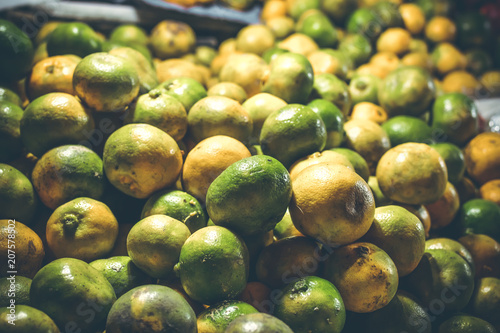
x=365 y=276
x=311 y=304
x=332 y=204
x=82 y=228
x=29 y=249
x=151 y=308
x=400 y=234
x=68 y=172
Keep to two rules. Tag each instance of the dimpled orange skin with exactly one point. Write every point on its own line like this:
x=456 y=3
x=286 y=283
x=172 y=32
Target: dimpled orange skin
x=482 y=157
x=412 y=173
x=332 y=204
x=140 y=159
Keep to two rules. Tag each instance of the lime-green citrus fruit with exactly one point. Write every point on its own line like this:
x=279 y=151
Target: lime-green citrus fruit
x=217 y=317
x=402 y=314
x=76 y=38
x=257 y=323
x=352 y=269
x=291 y=78
x=462 y=323
x=364 y=88
x=122 y=273
x=330 y=87
x=380 y=198
x=228 y=89
x=285 y=228
x=151 y=308
x=455 y=118
x=140 y=159
x=318 y=26
x=219 y=115
x=15 y=286
x=27 y=319
x=129 y=33
x=357 y=161
x=400 y=234
x=260 y=106
x=442 y=280
x=408 y=90
x=403 y=129
x=17 y=52
x=357 y=47
x=53 y=120
x=8 y=95
x=363 y=21
x=485 y=301
x=187 y=90
x=213 y=265
x=145 y=70
x=159 y=109
x=480 y=216
x=292 y=132
x=66 y=287
x=68 y=172
x=453 y=158
x=106 y=82
x=18 y=199
x=452 y=245
x=250 y=196
x=180 y=205
x=311 y=304
x=154 y=244
x=333 y=119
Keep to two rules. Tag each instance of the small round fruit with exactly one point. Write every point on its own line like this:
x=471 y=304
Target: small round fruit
x=250 y=196
x=412 y=173
x=257 y=323
x=65 y=287
x=311 y=304
x=140 y=159
x=18 y=199
x=365 y=276
x=154 y=244
x=292 y=132
x=151 y=308
x=28 y=319
x=105 y=82
x=82 y=228
x=213 y=265
x=332 y=204
x=68 y=172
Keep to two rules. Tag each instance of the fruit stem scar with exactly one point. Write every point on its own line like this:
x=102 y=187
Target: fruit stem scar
x=70 y=223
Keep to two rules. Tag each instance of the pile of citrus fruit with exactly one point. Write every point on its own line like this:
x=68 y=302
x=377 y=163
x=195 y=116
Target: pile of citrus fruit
x=324 y=171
